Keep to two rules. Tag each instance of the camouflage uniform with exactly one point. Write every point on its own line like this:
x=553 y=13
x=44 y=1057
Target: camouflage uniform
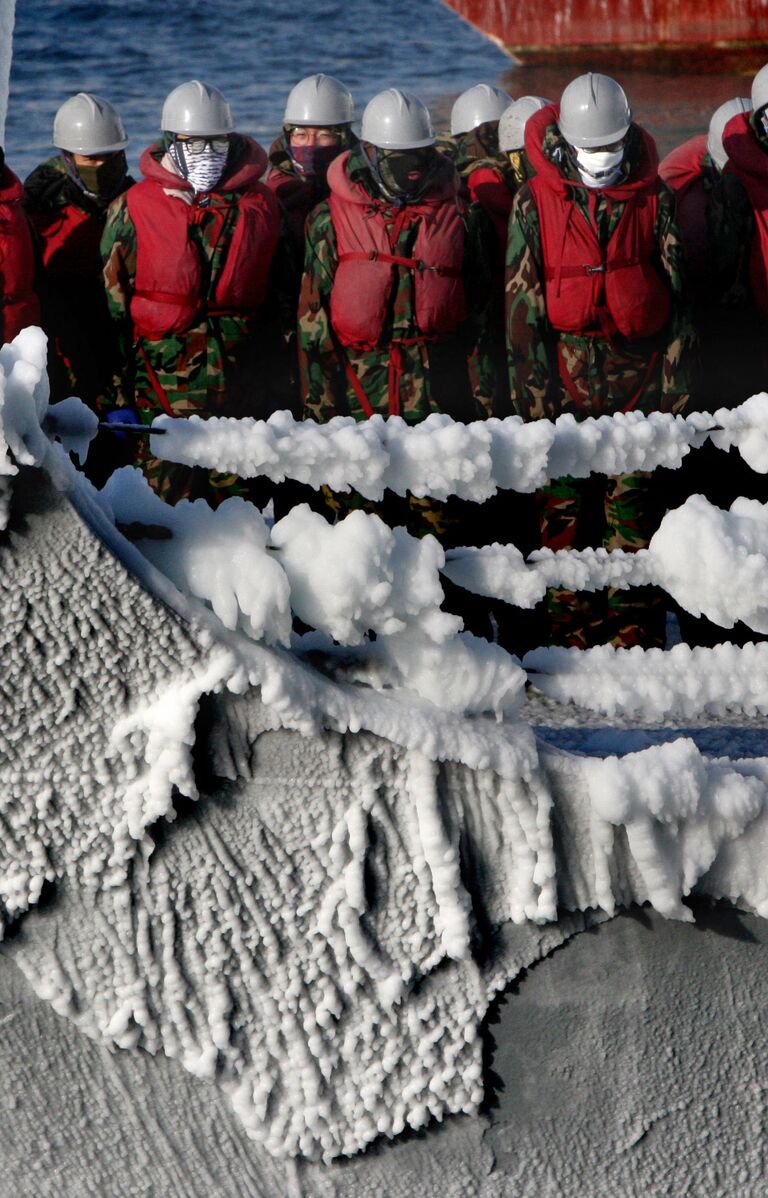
x=220 y=366
x=297 y=195
x=606 y=375
x=456 y=375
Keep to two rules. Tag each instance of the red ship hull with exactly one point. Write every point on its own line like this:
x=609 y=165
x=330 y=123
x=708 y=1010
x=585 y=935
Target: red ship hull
x=734 y=33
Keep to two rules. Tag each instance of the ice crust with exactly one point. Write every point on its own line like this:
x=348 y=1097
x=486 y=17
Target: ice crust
x=320 y=947
x=441 y=457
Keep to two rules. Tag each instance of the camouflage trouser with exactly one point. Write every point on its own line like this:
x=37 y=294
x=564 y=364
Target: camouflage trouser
x=621 y=512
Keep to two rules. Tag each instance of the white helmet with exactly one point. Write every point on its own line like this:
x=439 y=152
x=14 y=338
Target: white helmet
x=396 y=120
x=594 y=111
x=319 y=100
x=477 y=105
x=760 y=89
x=86 y=124
x=196 y=109
x=719 y=119
x=514 y=119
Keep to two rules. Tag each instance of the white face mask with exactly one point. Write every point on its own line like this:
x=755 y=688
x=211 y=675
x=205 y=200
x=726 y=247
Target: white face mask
x=203 y=169
x=599 y=168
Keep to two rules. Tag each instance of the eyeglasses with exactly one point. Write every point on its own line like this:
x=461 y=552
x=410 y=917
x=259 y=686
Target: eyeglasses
x=198 y=145
x=307 y=135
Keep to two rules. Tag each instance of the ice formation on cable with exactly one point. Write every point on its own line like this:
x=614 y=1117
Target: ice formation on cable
x=746 y=427
x=655 y=685
x=437 y=457
x=500 y=571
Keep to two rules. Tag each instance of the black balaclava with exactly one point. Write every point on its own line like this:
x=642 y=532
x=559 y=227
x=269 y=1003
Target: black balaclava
x=404 y=174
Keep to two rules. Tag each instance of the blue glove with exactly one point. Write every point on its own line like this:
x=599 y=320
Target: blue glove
x=121 y=416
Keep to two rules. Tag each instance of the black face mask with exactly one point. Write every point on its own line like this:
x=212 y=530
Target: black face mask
x=407 y=173
x=105 y=180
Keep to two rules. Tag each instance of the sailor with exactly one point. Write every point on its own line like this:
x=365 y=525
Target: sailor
x=317 y=127
x=739 y=222
x=66 y=200
x=475 y=133
x=691 y=171
x=396 y=280
x=393 y=315
x=595 y=325
x=187 y=255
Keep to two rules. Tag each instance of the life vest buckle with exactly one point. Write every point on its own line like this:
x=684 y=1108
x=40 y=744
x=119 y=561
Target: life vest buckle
x=595 y=270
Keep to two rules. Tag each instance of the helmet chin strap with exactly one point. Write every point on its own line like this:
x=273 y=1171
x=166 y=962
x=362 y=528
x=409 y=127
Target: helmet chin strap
x=373 y=167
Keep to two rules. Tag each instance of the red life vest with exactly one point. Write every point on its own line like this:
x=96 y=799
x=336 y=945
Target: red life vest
x=749 y=162
x=590 y=289
x=682 y=171
x=365 y=276
x=19 y=305
x=168 y=297
x=69 y=241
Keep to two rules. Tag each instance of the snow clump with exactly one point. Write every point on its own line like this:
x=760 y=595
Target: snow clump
x=218 y=556
x=715 y=563
x=360 y=575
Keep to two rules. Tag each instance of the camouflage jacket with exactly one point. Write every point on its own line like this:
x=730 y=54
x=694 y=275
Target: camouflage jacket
x=457 y=374
x=82 y=347
x=223 y=363
x=607 y=374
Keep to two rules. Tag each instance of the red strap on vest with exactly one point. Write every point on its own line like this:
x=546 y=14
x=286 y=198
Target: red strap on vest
x=357 y=387
x=447 y=272
x=162 y=297
x=155 y=381
x=394 y=374
x=575 y=272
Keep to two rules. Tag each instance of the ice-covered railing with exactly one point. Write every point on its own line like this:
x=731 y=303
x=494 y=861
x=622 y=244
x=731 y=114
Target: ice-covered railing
x=359 y=577
x=440 y=457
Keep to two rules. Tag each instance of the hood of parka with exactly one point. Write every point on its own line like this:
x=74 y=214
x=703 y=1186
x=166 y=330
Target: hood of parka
x=246 y=164
x=49 y=186
x=549 y=157
x=746 y=145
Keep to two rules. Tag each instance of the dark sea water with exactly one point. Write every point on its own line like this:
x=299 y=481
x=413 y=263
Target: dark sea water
x=133 y=52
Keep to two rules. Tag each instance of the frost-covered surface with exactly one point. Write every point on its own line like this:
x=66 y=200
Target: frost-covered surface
x=322 y=932
x=291 y=952
x=440 y=457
